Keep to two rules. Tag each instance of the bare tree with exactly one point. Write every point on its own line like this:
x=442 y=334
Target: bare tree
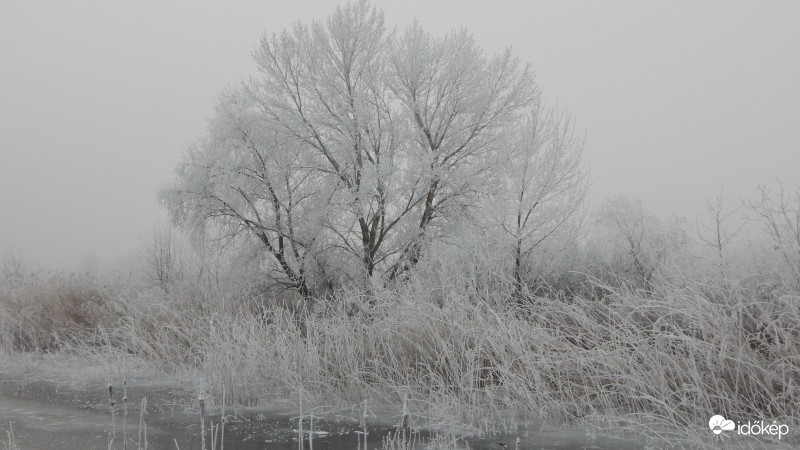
x=779 y=213
x=13 y=262
x=244 y=181
x=459 y=103
x=162 y=257
x=355 y=148
x=325 y=89
x=719 y=232
x=546 y=182
x=639 y=243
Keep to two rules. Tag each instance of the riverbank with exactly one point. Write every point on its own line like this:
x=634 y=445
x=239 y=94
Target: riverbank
x=66 y=414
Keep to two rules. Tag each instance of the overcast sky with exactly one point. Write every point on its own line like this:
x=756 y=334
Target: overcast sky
x=99 y=99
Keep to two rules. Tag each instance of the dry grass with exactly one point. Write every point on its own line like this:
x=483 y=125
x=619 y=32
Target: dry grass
x=40 y=313
x=467 y=358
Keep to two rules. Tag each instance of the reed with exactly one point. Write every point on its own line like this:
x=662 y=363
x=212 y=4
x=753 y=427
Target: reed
x=223 y=419
x=202 y=402
x=364 y=425
x=11 y=442
x=300 y=436
x=112 y=410
x=125 y=413
x=143 y=425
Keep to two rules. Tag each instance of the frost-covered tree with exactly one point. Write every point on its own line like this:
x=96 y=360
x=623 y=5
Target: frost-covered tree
x=13 y=263
x=460 y=106
x=244 y=181
x=545 y=182
x=163 y=257
x=355 y=148
x=324 y=90
x=631 y=242
x=717 y=232
x=779 y=214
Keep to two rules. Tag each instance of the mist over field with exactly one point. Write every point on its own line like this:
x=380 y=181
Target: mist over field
x=535 y=225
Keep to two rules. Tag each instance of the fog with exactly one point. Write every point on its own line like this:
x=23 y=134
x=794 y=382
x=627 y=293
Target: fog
x=98 y=100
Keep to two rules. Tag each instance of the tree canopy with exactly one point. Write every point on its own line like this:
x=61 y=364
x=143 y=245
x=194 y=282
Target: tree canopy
x=356 y=147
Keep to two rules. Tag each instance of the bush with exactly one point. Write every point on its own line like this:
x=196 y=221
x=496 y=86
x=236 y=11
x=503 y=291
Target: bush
x=39 y=313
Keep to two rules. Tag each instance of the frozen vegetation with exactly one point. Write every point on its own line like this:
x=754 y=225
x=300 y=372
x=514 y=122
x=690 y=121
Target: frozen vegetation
x=396 y=217
x=607 y=339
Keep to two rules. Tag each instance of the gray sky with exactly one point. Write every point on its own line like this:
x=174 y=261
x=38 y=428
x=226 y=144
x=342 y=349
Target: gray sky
x=98 y=99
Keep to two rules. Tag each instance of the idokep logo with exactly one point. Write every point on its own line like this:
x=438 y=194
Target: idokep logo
x=760 y=428
x=719 y=424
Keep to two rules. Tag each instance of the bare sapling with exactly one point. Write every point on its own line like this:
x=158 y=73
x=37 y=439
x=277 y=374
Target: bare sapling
x=718 y=233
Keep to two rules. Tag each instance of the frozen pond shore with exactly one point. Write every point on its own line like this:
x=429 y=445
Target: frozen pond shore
x=47 y=416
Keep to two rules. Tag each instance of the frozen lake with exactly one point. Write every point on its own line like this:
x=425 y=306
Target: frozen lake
x=51 y=416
